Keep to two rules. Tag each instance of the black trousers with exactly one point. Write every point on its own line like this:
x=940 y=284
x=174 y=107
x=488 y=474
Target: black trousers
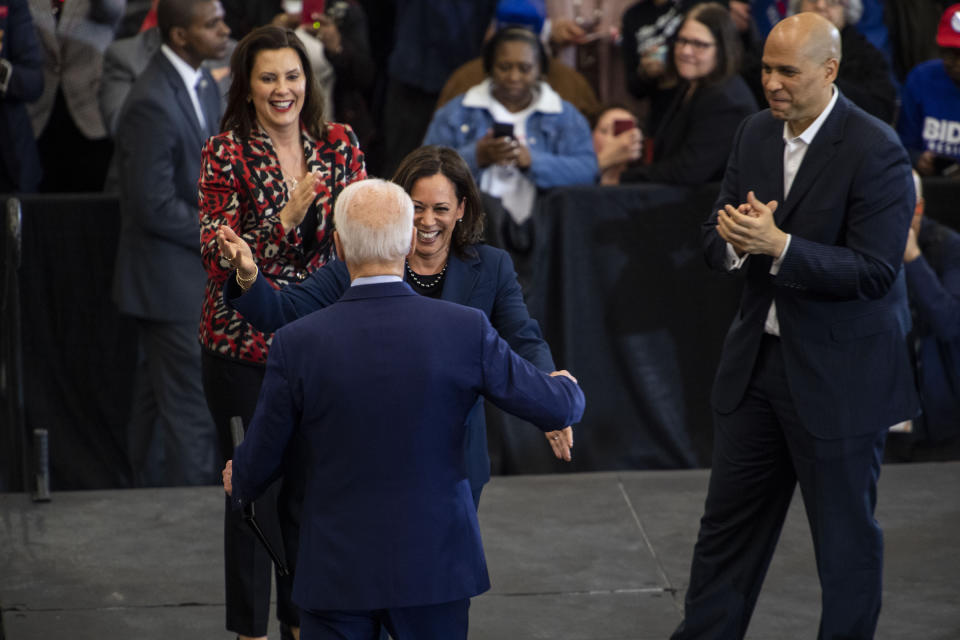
x=761 y=452
x=232 y=388
x=171 y=436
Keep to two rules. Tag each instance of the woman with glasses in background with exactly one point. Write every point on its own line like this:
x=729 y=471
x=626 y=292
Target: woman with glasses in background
x=695 y=134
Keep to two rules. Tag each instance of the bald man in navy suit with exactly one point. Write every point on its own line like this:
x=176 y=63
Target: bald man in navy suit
x=814 y=211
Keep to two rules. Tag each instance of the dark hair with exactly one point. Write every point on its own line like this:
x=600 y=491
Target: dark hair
x=175 y=13
x=433 y=159
x=715 y=17
x=239 y=114
x=514 y=34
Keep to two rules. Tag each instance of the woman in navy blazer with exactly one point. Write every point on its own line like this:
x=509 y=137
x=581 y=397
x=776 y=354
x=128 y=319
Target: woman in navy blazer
x=448 y=263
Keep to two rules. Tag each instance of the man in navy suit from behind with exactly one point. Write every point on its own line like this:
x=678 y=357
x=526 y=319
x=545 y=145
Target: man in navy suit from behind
x=159 y=279
x=377 y=388
x=815 y=366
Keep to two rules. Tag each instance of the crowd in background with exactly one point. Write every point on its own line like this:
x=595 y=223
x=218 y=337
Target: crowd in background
x=532 y=94
x=382 y=72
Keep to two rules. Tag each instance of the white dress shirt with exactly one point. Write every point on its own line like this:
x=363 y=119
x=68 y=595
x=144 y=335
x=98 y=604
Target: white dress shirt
x=794 y=150
x=362 y=280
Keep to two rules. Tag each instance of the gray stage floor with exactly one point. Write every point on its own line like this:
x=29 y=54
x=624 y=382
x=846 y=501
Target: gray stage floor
x=599 y=556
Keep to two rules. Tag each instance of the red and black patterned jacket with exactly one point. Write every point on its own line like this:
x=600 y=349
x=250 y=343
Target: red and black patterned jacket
x=241 y=185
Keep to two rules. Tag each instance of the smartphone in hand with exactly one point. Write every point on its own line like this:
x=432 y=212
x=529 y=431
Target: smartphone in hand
x=502 y=130
x=619 y=126
x=312 y=9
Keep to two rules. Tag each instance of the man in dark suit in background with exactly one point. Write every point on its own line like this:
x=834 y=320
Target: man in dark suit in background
x=124 y=61
x=172 y=108
x=377 y=388
x=815 y=366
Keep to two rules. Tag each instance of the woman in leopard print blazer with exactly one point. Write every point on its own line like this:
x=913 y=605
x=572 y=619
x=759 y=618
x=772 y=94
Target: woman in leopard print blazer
x=272 y=176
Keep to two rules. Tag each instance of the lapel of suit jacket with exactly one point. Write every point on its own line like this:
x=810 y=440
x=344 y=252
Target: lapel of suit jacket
x=818 y=156
x=771 y=162
x=461 y=278
x=46 y=27
x=180 y=96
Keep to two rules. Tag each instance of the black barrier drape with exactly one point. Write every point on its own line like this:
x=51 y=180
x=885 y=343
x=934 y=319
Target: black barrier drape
x=628 y=305
x=12 y=437
x=78 y=352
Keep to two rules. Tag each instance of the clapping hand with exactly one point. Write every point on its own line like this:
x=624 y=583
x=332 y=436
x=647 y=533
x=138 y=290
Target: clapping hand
x=750 y=228
x=236 y=251
x=300 y=200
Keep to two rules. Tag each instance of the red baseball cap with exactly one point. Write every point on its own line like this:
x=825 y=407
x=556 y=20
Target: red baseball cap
x=948 y=33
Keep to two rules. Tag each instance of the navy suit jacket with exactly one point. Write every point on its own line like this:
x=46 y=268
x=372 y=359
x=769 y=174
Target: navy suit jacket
x=19 y=45
x=840 y=291
x=484 y=280
x=158 y=273
x=377 y=387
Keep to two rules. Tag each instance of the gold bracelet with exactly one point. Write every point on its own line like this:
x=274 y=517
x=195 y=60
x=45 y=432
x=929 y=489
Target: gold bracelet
x=246 y=283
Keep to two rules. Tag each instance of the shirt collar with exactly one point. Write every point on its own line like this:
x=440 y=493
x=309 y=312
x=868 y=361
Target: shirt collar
x=190 y=75
x=811 y=132
x=362 y=280
x=547 y=100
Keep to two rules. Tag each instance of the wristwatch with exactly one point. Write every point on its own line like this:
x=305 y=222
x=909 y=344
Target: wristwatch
x=6 y=70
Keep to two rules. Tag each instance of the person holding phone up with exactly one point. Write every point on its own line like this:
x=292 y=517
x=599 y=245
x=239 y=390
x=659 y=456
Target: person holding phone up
x=617 y=141
x=516 y=134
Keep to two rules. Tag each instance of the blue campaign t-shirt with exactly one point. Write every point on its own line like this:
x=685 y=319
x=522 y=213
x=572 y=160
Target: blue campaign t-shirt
x=930 y=114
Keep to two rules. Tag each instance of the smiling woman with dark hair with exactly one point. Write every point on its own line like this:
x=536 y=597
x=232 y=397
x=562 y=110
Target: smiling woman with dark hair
x=272 y=176
x=695 y=134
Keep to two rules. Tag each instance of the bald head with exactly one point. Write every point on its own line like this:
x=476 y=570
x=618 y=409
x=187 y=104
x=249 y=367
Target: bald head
x=812 y=35
x=800 y=62
x=374 y=225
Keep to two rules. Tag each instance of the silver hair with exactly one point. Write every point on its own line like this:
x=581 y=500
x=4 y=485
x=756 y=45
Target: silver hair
x=374 y=219
x=852 y=10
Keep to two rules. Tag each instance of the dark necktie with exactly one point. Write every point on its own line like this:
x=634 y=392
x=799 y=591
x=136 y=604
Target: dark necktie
x=204 y=88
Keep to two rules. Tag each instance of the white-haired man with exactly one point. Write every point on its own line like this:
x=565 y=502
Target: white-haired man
x=377 y=387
